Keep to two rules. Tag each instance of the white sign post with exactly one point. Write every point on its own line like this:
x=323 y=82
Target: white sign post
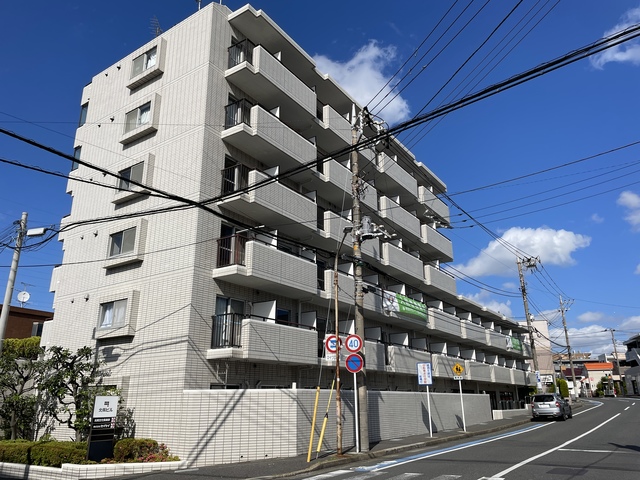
x=458 y=370
x=354 y=364
x=425 y=378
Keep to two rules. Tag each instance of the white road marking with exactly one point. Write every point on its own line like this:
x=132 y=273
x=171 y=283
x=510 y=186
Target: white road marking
x=627 y=409
x=540 y=455
x=329 y=475
x=592 y=451
x=435 y=453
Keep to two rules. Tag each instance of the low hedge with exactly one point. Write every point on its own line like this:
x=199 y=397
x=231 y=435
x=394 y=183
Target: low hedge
x=141 y=450
x=45 y=454
x=54 y=454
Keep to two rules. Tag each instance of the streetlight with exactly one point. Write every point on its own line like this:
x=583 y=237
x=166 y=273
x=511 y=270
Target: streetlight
x=345 y=231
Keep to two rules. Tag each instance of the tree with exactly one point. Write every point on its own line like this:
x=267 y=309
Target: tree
x=21 y=371
x=563 y=387
x=73 y=381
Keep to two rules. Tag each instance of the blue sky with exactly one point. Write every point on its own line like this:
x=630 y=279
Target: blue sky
x=539 y=168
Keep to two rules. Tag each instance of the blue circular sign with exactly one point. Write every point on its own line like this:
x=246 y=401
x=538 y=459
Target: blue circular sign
x=354 y=363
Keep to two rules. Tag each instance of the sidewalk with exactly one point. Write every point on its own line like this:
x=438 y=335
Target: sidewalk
x=284 y=467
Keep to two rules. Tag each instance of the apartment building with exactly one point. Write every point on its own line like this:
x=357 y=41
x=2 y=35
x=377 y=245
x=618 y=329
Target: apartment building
x=204 y=273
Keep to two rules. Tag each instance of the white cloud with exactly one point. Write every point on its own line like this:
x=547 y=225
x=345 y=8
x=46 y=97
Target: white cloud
x=484 y=299
x=595 y=339
x=637 y=272
x=595 y=218
x=363 y=76
x=554 y=247
x=588 y=317
x=631 y=201
x=627 y=52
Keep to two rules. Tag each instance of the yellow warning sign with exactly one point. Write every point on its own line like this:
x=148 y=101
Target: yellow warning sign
x=458 y=369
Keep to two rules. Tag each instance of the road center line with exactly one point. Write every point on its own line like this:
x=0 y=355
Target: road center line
x=535 y=457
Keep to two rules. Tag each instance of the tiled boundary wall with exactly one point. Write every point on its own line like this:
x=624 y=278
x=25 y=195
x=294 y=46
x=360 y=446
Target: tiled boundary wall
x=230 y=426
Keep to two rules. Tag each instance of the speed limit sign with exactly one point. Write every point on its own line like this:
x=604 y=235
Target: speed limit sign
x=353 y=343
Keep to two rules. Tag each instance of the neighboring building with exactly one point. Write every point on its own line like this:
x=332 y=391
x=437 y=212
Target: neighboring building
x=632 y=374
x=593 y=373
x=544 y=354
x=25 y=322
x=213 y=320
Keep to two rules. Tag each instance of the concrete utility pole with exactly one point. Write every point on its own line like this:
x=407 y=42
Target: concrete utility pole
x=337 y=333
x=530 y=263
x=615 y=352
x=566 y=337
x=6 y=305
x=361 y=377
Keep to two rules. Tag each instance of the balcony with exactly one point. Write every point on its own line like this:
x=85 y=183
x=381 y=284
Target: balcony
x=496 y=341
x=474 y=333
x=372 y=302
x=402 y=265
x=479 y=372
x=336 y=130
x=401 y=220
x=262 y=340
x=435 y=280
x=502 y=374
x=261 y=76
x=254 y=264
x=272 y=204
x=444 y=324
x=435 y=244
x=433 y=206
x=255 y=131
x=404 y=360
x=394 y=180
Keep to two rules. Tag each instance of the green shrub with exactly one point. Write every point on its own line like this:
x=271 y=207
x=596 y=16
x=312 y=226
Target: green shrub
x=563 y=387
x=15 y=451
x=141 y=450
x=54 y=454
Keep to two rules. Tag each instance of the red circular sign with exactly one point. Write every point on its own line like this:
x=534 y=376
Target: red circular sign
x=354 y=363
x=353 y=343
x=331 y=344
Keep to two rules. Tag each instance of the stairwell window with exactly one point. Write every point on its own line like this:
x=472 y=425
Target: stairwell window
x=122 y=242
x=83 y=114
x=138 y=117
x=133 y=173
x=76 y=154
x=144 y=62
x=113 y=314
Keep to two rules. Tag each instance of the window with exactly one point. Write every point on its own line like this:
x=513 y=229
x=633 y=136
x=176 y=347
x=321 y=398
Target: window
x=136 y=118
x=76 y=154
x=144 y=62
x=132 y=173
x=113 y=314
x=83 y=114
x=122 y=242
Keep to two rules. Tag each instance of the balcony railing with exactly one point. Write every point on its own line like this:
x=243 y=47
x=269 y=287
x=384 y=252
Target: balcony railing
x=234 y=178
x=231 y=250
x=237 y=113
x=227 y=330
x=241 y=52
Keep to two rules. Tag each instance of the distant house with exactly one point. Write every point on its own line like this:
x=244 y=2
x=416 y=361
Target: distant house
x=25 y=322
x=594 y=371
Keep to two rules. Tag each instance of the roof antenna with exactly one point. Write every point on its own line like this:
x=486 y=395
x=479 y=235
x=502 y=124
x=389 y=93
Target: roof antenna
x=198 y=2
x=155 y=26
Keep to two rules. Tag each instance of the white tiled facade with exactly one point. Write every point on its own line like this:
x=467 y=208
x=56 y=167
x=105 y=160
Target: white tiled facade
x=204 y=314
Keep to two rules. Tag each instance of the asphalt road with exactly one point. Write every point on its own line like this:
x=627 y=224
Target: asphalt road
x=601 y=441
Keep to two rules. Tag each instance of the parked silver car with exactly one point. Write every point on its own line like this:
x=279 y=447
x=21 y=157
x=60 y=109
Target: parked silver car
x=550 y=405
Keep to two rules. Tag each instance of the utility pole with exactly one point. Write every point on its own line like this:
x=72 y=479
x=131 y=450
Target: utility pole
x=530 y=263
x=615 y=352
x=6 y=305
x=361 y=377
x=566 y=337
x=337 y=332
